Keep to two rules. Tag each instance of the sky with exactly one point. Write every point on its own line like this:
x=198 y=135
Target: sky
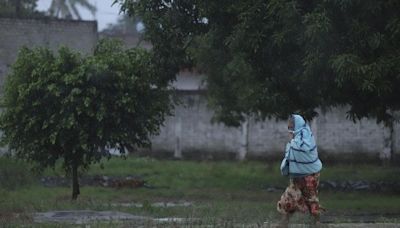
x=106 y=14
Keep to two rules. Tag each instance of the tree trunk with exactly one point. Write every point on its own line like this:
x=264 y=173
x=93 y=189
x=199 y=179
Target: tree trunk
x=75 y=181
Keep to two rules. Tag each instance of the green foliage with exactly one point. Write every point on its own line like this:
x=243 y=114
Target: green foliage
x=169 y=29
x=273 y=58
x=19 y=8
x=363 y=55
x=75 y=108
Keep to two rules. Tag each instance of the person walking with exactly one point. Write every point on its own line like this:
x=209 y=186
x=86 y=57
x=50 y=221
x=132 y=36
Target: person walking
x=302 y=165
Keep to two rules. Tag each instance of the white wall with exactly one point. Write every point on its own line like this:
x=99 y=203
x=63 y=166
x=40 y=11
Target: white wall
x=335 y=133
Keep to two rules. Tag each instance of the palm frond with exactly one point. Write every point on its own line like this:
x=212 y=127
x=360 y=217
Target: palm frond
x=68 y=8
x=64 y=10
x=86 y=4
x=54 y=7
x=75 y=10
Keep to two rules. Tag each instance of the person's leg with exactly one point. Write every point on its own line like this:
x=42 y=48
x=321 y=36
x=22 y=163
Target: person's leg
x=284 y=206
x=289 y=203
x=316 y=218
x=310 y=194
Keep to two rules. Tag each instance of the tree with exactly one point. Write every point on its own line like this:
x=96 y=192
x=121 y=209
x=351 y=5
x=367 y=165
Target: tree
x=250 y=51
x=362 y=58
x=272 y=58
x=283 y=53
x=170 y=27
x=68 y=8
x=73 y=108
x=18 y=8
x=357 y=45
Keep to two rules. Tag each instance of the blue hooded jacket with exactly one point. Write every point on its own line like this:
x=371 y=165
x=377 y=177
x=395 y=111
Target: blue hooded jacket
x=301 y=152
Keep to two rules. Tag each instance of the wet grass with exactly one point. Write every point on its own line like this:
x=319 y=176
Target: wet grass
x=220 y=191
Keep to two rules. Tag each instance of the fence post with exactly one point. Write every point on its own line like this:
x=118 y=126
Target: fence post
x=244 y=139
x=178 y=136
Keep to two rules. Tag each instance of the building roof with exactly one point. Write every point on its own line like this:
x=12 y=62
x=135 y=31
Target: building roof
x=189 y=81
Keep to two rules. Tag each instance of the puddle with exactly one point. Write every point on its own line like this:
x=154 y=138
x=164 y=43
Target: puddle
x=88 y=216
x=158 y=204
x=84 y=216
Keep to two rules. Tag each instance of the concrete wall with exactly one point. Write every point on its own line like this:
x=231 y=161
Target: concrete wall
x=337 y=136
x=396 y=141
x=15 y=33
x=192 y=129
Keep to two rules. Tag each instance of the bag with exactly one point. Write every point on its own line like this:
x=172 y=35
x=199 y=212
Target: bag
x=285 y=167
x=285 y=161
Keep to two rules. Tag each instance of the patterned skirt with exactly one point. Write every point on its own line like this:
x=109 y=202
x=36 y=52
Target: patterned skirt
x=301 y=195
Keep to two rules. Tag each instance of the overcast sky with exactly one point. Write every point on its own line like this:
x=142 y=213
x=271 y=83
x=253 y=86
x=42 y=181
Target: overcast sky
x=106 y=14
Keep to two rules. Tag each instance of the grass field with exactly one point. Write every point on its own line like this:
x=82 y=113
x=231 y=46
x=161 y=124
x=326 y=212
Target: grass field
x=226 y=191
